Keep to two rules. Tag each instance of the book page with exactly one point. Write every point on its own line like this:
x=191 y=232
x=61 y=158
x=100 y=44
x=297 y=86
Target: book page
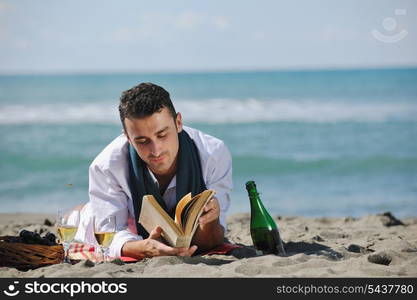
x=180 y=206
x=196 y=211
x=186 y=210
x=152 y=215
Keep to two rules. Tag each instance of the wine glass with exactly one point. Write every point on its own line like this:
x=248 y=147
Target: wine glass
x=67 y=224
x=104 y=231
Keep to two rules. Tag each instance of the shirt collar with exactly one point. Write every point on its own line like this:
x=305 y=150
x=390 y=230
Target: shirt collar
x=172 y=184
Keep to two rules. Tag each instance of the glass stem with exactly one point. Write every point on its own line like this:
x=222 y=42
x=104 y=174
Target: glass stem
x=103 y=255
x=66 y=249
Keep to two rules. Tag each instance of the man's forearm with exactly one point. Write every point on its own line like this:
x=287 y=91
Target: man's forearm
x=153 y=246
x=134 y=249
x=208 y=236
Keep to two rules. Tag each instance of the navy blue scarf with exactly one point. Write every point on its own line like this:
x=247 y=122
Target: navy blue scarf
x=189 y=178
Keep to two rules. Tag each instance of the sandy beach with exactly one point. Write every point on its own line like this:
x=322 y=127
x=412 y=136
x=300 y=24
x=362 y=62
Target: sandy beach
x=370 y=246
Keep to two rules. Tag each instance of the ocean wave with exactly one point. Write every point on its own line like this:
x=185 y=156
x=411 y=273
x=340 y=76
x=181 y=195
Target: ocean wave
x=244 y=164
x=214 y=111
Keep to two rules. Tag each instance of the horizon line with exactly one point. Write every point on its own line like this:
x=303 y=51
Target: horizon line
x=200 y=71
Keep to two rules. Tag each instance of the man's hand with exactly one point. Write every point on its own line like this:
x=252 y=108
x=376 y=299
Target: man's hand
x=211 y=212
x=153 y=246
x=209 y=233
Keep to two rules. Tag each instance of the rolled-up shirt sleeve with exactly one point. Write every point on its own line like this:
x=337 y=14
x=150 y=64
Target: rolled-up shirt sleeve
x=108 y=198
x=220 y=178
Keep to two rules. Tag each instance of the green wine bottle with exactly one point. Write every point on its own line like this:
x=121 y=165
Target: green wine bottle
x=263 y=229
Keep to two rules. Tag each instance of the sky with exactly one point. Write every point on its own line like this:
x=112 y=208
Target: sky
x=49 y=36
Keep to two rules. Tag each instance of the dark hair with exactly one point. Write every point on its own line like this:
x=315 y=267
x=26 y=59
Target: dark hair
x=144 y=100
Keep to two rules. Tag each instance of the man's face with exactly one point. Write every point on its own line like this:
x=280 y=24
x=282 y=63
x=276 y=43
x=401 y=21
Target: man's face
x=155 y=139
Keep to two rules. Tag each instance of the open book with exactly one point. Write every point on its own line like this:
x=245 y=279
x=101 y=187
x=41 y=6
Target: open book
x=178 y=232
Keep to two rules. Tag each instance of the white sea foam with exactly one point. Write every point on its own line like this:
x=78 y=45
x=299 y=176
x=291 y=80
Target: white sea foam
x=221 y=111
x=59 y=113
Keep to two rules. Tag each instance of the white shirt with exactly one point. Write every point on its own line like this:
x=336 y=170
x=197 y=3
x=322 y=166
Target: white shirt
x=110 y=194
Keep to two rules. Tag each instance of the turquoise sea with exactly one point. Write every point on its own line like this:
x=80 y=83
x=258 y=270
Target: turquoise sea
x=317 y=143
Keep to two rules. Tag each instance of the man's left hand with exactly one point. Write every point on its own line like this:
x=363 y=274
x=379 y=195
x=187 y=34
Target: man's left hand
x=211 y=212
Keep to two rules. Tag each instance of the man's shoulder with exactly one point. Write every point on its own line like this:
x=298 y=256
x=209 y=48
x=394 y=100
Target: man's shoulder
x=113 y=155
x=206 y=144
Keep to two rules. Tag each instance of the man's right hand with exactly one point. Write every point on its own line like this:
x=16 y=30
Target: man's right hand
x=154 y=246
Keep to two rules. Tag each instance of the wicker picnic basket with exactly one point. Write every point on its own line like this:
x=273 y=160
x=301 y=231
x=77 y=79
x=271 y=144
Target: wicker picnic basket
x=28 y=256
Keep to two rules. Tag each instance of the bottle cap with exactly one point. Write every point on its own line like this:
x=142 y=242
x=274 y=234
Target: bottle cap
x=250 y=184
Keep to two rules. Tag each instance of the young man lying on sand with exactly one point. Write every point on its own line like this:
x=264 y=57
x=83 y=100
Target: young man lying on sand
x=171 y=160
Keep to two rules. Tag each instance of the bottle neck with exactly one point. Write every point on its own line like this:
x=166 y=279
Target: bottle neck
x=255 y=202
x=253 y=194
x=251 y=188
